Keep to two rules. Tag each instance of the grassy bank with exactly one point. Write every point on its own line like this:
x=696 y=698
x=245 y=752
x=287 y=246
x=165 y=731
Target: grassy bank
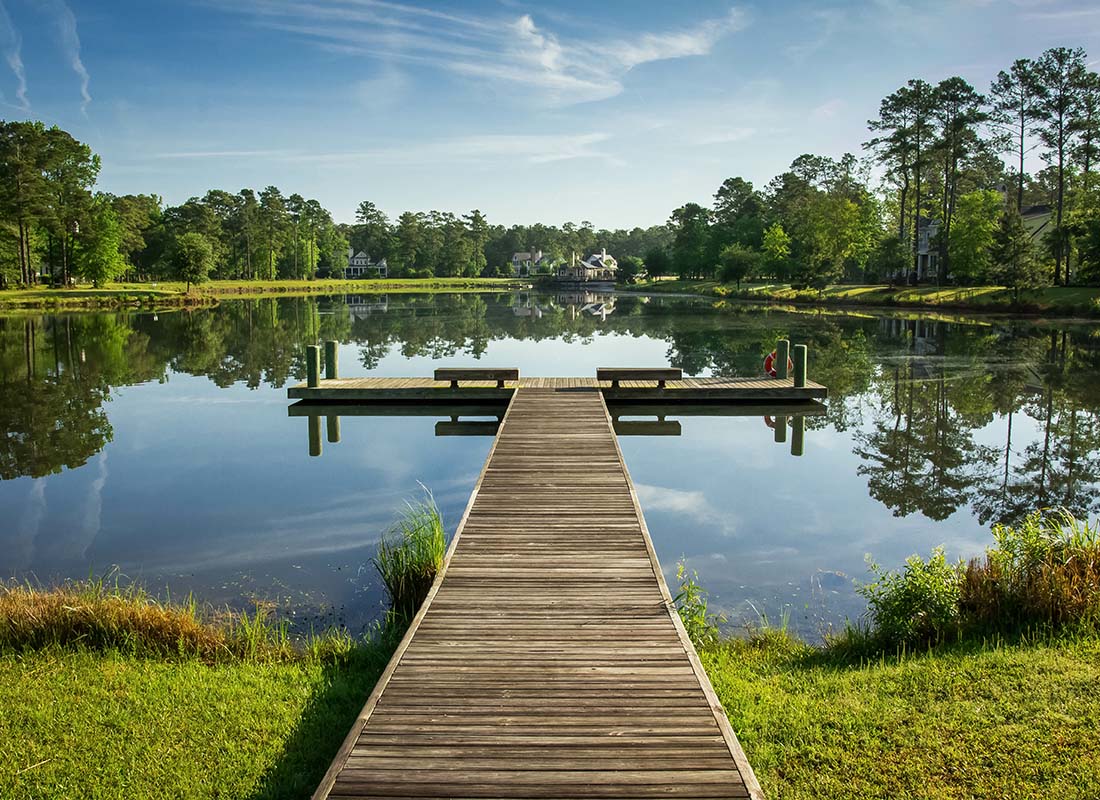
x=175 y=294
x=1066 y=301
x=976 y=719
x=978 y=680
x=109 y=693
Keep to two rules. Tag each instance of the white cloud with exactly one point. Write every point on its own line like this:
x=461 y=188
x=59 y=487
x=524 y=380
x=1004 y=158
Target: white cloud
x=70 y=44
x=693 y=504
x=503 y=51
x=827 y=110
x=12 y=45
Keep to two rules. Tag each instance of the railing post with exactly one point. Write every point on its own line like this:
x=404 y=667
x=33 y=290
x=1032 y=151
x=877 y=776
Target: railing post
x=800 y=366
x=798 y=435
x=313 y=366
x=782 y=354
x=331 y=370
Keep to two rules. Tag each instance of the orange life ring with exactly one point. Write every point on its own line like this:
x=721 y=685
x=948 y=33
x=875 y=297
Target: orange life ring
x=769 y=364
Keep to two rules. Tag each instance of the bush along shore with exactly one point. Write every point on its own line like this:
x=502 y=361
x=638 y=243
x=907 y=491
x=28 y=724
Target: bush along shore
x=178 y=295
x=109 y=692
x=964 y=680
x=1052 y=301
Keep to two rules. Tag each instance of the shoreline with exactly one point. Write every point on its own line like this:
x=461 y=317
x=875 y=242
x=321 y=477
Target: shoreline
x=1065 y=303
x=172 y=294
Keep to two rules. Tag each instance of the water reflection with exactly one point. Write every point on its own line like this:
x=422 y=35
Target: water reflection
x=118 y=426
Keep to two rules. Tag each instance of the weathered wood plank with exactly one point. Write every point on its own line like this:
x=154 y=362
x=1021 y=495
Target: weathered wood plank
x=548 y=660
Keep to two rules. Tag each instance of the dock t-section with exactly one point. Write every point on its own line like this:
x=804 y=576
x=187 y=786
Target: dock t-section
x=548 y=660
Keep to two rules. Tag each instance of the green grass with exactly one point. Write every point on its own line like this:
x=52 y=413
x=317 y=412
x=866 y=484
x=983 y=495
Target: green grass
x=105 y=724
x=410 y=555
x=970 y=720
x=173 y=293
x=1054 y=300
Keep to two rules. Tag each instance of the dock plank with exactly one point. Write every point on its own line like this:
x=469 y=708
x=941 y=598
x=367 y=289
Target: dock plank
x=548 y=660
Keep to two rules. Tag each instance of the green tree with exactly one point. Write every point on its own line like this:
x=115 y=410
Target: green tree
x=70 y=170
x=23 y=187
x=478 y=233
x=97 y=256
x=1012 y=98
x=371 y=233
x=777 y=250
x=737 y=262
x=273 y=219
x=689 y=247
x=192 y=258
x=1056 y=82
x=978 y=216
x=629 y=268
x=1013 y=254
x=657 y=262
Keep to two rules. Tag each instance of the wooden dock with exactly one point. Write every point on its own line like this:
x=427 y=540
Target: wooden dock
x=548 y=660
x=688 y=390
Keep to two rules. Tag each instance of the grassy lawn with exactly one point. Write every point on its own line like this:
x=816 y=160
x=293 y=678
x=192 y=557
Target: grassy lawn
x=78 y=723
x=1061 y=300
x=968 y=721
x=174 y=293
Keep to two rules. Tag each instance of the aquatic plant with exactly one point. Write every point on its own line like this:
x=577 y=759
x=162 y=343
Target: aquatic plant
x=1044 y=571
x=410 y=555
x=702 y=627
x=919 y=603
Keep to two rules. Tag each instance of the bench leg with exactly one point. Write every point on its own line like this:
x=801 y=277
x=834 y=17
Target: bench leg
x=660 y=384
x=500 y=384
x=454 y=384
x=615 y=383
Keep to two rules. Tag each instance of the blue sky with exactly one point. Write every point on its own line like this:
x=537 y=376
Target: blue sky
x=613 y=112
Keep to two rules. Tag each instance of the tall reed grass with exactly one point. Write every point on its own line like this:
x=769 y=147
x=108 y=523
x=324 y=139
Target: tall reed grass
x=410 y=555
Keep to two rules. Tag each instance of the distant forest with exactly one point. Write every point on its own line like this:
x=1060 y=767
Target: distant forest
x=942 y=173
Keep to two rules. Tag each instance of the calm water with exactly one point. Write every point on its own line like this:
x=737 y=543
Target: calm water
x=160 y=446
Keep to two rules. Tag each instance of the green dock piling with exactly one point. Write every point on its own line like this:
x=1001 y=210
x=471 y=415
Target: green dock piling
x=331 y=369
x=315 y=433
x=782 y=355
x=800 y=366
x=313 y=366
x=798 y=435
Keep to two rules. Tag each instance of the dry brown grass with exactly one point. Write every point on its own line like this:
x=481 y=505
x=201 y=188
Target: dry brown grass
x=101 y=616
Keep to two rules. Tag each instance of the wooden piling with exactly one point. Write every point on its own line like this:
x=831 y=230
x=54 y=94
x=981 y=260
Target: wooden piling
x=800 y=366
x=332 y=423
x=781 y=429
x=782 y=355
x=315 y=433
x=798 y=435
x=331 y=368
x=313 y=366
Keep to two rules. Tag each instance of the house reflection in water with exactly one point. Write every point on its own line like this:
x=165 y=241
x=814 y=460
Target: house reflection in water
x=576 y=303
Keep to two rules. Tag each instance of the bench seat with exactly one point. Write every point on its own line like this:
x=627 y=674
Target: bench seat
x=659 y=374
x=456 y=374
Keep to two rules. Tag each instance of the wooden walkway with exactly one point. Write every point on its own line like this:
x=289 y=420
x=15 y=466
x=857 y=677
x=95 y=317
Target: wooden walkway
x=686 y=390
x=548 y=660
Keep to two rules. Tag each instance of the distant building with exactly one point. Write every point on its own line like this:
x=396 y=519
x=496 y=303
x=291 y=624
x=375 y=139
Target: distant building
x=360 y=266
x=526 y=264
x=1036 y=221
x=597 y=267
x=927 y=257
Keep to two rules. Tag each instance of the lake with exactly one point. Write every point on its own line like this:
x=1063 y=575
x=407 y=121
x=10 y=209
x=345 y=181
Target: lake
x=157 y=447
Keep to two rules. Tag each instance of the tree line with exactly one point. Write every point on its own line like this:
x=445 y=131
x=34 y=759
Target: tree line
x=939 y=150
x=933 y=181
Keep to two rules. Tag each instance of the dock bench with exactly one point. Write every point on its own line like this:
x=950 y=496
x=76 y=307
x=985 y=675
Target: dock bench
x=456 y=374
x=659 y=374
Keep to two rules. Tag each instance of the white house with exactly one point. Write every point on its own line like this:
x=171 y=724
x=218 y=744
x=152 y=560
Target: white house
x=360 y=266
x=526 y=264
x=927 y=257
x=597 y=267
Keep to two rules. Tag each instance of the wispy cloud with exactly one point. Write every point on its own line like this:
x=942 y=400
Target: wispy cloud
x=826 y=22
x=12 y=45
x=525 y=148
x=70 y=45
x=502 y=50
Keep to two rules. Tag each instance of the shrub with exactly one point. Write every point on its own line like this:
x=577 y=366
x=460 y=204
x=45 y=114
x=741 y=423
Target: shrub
x=410 y=555
x=918 y=604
